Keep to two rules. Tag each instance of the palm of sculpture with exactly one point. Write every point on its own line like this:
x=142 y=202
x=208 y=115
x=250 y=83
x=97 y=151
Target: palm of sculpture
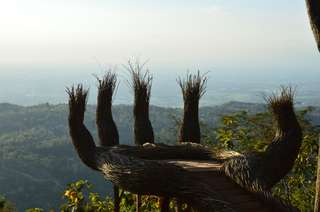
x=206 y=179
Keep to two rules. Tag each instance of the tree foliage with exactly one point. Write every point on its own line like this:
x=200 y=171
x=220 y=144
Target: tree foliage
x=5 y=205
x=79 y=197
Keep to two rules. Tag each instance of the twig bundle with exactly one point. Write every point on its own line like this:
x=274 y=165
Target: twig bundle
x=281 y=106
x=141 y=84
x=107 y=129
x=193 y=87
x=77 y=102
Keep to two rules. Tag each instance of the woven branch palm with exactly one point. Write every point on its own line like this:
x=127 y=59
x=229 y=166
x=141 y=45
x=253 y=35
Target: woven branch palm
x=207 y=179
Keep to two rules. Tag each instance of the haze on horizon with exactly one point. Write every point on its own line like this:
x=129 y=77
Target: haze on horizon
x=186 y=34
x=57 y=43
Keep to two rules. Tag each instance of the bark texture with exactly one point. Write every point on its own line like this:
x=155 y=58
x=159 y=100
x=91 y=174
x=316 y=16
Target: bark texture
x=313 y=7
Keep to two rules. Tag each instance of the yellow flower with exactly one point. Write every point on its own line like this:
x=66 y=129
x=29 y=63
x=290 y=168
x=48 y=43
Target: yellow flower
x=67 y=193
x=158 y=203
x=73 y=195
x=76 y=200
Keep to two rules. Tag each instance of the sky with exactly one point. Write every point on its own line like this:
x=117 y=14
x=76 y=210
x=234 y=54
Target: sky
x=245 y=46
x=174 y=35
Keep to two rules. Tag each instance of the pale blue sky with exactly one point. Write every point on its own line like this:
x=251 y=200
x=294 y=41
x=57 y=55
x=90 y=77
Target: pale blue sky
x=216 y=35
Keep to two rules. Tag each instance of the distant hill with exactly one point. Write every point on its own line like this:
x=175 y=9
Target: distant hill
x=37 y=159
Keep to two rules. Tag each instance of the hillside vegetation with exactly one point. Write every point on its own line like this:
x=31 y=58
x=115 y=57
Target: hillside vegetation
x=37 y=160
